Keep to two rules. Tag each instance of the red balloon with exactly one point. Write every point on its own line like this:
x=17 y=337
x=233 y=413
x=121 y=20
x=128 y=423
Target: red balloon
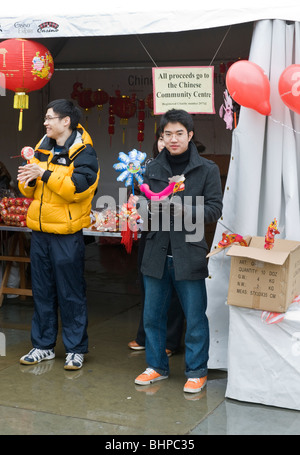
x=289 y=87
x=249 y=86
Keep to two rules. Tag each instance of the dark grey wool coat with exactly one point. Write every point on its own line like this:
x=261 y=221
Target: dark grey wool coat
x=202 y=178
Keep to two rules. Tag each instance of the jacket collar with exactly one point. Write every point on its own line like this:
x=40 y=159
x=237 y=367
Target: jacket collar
x=78 y=140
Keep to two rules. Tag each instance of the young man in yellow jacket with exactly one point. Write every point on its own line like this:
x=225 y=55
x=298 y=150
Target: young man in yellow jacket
x=62 y=179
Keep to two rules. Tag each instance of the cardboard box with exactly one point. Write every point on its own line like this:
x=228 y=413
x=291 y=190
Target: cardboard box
x=264 y=279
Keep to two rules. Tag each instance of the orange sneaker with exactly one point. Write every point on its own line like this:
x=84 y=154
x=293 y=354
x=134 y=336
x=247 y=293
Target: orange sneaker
x=194 y=385
x=135 y=346
x=148 y=377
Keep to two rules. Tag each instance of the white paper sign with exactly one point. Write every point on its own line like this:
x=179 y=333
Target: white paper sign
x=188 y=88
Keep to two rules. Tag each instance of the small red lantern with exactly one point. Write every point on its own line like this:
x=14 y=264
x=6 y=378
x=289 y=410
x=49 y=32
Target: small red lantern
x=124 y=108
x=27 y=66
x=85 y=99
x=100 y=97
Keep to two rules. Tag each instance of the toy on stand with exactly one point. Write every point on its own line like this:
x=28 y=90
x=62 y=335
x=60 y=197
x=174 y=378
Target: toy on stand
x=270 y=235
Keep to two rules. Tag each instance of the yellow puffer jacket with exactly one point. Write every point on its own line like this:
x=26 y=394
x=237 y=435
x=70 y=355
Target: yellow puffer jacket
x=62 y=197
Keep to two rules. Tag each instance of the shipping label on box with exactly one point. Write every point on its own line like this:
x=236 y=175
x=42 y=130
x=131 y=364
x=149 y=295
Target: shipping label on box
x=264 y=279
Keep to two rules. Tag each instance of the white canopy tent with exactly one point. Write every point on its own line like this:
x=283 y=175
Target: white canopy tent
x=264 y=172
x=135 y=17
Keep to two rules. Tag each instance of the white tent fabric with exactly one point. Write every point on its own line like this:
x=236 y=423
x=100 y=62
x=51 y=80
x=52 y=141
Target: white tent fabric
x=36 y=19
x=263 y=177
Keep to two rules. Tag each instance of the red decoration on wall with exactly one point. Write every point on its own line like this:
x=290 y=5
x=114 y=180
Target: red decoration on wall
x=141 y=124
x=27 y=66
x=125 y=108
x=100 y=97
x=111 y=119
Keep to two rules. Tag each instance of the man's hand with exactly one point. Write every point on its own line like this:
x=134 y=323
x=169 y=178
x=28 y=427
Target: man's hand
x=29 y=172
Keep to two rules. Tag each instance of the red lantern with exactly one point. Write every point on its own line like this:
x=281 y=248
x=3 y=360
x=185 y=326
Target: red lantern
x=27 y=66
x=85 y=99
x=124 y=108
x=100 y=97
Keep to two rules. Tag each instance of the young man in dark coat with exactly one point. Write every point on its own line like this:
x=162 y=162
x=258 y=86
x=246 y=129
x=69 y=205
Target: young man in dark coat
x=176 y=250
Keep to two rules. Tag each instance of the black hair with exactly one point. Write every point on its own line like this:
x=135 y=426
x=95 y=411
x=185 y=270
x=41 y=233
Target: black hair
x=158 y=134
x=177 y=115
x=65 y=108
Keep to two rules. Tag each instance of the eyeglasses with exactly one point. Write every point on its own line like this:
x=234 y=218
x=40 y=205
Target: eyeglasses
x=48 y=118
x=168 y=136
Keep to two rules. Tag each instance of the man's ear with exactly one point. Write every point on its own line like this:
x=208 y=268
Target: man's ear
x=67 y=121
x=190 y=135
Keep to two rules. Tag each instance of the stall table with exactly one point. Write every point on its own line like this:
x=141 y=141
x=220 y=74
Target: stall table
x=18 y=251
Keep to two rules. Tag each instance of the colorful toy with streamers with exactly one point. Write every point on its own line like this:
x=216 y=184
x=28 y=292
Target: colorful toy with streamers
x=270 y=235
x=131 y=167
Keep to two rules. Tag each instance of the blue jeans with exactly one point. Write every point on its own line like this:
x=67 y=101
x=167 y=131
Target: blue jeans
x=192 y=295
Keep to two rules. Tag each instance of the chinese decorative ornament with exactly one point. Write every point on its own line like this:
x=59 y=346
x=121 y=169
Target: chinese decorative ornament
x=27 y=66
x=100 y=97
x=125 y=108
x=141 y=124
x=86 y=102
x=111 y=119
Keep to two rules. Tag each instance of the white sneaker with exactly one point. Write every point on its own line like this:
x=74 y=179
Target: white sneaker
x=37 y=355
x=73 y=361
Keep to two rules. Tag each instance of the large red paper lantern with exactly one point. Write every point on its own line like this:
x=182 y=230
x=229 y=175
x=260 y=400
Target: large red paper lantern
x=27 y=66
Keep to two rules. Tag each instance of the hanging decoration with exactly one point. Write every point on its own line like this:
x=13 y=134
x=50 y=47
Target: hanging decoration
x=149 y=104
x=111 y=119
x=141 y=124
x=99 y=97
x=27 y=66
x=131 y=167
x=86 y=102
x=77 y=89
x=125 y=108
x=226 y=110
